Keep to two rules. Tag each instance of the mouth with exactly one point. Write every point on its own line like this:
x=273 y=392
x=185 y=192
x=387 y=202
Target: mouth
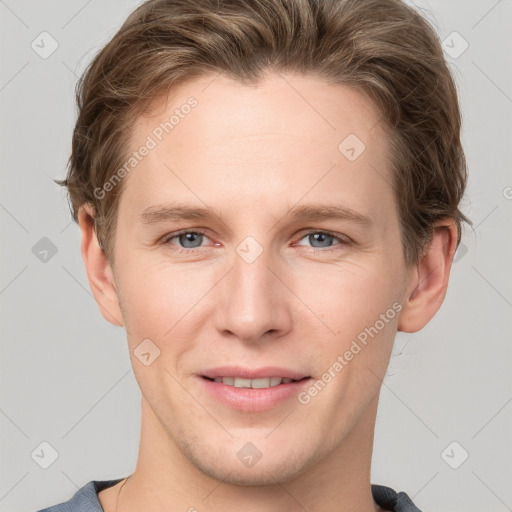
x=253 y=390
x=260 y=383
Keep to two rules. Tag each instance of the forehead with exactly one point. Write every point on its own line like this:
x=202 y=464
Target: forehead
x=301 y=106
x=259 y=142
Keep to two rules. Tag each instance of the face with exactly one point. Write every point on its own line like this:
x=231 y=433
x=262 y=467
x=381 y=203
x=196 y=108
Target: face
x=255 y=241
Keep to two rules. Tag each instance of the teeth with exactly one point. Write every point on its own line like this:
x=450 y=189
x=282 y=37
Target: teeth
x=274 y=381
x=239 y=382
x=242 y=383
x=264 y=383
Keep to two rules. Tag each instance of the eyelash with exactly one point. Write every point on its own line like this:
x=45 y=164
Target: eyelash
x=166 y=240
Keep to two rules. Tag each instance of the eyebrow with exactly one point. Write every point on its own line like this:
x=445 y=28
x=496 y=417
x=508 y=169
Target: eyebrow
x=156 y=214
x=310 y=212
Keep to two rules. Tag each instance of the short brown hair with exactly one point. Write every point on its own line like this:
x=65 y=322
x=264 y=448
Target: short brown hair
x=384 y=48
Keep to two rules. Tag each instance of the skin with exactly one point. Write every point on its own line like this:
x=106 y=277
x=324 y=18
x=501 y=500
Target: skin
x=251 y=154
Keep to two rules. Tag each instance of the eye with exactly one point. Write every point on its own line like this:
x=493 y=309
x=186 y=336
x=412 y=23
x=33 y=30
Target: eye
x=323 y=239
x=186 y=239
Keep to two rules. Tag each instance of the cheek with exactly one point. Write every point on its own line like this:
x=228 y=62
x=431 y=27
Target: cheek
x=156 y=295
x=345 y=300
x=361 y=308
x=167 y=304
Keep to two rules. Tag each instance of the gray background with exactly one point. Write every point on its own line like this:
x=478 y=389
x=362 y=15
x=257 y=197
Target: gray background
x=65 y=373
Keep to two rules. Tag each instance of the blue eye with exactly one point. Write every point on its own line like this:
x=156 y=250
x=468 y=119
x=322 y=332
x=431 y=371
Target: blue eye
x=323 y=238
x=188 y=241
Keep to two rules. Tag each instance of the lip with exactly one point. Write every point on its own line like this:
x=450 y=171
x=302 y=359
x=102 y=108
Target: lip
x=253 y=399
x=253 y=373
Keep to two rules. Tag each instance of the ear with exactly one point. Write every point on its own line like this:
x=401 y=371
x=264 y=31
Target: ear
x=428 y=279
x=99 y=271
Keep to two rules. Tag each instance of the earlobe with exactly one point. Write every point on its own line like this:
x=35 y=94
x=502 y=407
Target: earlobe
x=99 y=271
x=429 y=279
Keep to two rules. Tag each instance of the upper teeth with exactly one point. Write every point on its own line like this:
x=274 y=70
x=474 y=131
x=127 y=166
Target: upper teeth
x=238 y=382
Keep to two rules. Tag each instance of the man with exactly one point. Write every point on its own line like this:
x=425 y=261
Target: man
x=267 y=192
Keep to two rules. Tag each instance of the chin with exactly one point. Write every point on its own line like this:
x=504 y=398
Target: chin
x=261 y=475
x=274 y=466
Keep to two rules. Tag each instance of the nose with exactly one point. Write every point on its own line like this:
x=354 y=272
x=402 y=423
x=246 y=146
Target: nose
x=255 y=304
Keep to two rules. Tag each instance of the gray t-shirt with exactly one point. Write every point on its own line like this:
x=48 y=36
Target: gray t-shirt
x=86 y=499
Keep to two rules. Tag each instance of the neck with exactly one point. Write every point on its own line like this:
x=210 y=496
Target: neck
x=165 y=478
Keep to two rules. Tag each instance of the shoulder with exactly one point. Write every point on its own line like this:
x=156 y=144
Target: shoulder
x=392 y=501
x=85 y=499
